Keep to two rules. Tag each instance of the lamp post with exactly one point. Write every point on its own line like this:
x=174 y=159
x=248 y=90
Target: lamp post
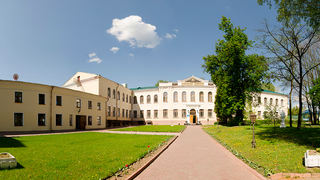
x=253 y=120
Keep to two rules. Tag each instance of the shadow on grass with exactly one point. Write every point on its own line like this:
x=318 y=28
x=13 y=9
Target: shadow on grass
x=19 y=166
x=8 y=142
x=305 y=136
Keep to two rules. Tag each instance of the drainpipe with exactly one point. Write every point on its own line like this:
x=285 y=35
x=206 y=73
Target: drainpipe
x=51 y=107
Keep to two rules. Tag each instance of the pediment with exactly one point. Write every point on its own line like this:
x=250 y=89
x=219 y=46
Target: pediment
x=193 y=79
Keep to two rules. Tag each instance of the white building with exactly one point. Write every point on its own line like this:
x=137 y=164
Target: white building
x=190 y=100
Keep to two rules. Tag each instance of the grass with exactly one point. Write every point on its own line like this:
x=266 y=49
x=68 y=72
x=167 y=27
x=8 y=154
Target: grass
x=154 y=128
x=277 y=149
x=89 y=155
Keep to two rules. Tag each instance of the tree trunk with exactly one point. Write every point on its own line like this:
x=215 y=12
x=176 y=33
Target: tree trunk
x=300 y=96
x=290 y=103
x=314 y=111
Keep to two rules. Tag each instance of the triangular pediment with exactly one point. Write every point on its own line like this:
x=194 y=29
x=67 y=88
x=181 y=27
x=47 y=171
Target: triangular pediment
x=193 y=79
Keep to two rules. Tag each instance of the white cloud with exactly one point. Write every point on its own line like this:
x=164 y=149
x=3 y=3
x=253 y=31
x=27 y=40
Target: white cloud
x=176 y=30
x=134 y=31
x=114 y=49
x=131 y=54
x=170 y=36
x=94 y=58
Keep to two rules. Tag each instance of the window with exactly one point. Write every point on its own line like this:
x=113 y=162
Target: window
x=209 y=96
x=130 y=99
x=99 y=106
x=130 y=114
x=184 y=113
x=18 y=119
x=201 y=113
x=259 y=114
x=265 y=101
x=109 y=110
x=89 y=104
x=148 y=99
x=59 y=100
x=89 y=120
x=41 y=119
x=155 y=114
x=114 y=112
x=148 y=113
x=135 y=100
x=259 y=100
x=99 y=120
x=276 y=102
x=123 y=111
x=18 y=97
x=141 y=99
x=70 y=120
x=109 y=92
x=118 y=95
x=175 y=113
x=141 y=113
x=127 y=113
x=165 y=113
x=135 y=114
x=270 y=101
x=114 y=94
x=155 y=100
x=123 y=97
x=78 y=103
x=118 y=112
x=127 y=99
x=165 y=97
x=184 y=96
x=58 y=119
x=192 y=96
x=201 y=98
x=209 y=113
x=281 y=102
x=42 y=99
x=175 y=96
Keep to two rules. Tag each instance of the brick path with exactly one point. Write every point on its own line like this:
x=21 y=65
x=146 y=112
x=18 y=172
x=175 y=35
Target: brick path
x=196 y=155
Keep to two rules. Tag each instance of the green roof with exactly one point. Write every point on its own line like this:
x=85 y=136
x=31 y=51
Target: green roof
x=268 y=91
x=148 y=87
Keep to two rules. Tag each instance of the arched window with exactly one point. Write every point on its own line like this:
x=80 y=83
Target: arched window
x=175 y=96
x=123 y=97
x=201 y=99
x=193 y=96
x=118 y=95
x=135 y=100
x=165 y=97
x=209 y=96
x=127 y=98
x=281 y=102
x=155 y=99
x=141 y=99
x=276 y=102
x=265 y=101
x=109 y=92
x=114 y=94
x=184 y=96
x=130 y=99
x=148 y=99
x=270 y=101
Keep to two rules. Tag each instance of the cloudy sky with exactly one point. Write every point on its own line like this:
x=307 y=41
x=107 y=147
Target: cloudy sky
x=134 y=41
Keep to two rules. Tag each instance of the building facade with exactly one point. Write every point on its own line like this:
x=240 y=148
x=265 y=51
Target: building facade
x=90 y=101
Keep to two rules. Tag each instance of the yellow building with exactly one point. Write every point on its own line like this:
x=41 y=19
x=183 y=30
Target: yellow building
x=37 y=107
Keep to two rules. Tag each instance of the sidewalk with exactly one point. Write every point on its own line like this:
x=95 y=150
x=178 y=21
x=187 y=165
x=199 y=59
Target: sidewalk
x=195 y=155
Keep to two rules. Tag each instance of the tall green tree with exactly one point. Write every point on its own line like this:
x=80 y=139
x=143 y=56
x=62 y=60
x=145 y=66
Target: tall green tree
x=237 y=75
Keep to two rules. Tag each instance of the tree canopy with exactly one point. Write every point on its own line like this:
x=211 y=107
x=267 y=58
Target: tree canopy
x=236 y=75
x=160 y=81
x=268 y=86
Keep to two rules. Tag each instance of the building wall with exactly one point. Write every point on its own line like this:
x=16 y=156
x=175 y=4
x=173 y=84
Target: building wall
x=30 y=107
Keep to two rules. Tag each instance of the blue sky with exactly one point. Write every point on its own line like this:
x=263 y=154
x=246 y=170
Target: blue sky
x=48 y=41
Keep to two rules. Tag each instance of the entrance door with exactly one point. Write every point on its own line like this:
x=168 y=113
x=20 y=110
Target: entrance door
x=193 y=116
x=81 y=122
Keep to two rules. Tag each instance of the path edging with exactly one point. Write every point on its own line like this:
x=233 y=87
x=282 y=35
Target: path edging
x=140 y=170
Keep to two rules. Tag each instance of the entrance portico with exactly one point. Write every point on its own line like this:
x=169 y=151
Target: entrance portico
x=192 y=113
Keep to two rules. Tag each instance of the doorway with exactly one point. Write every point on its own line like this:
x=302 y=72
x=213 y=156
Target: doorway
x=81 y=122
x=193 y=116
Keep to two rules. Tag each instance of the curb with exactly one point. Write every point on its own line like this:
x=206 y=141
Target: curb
x=140 y=170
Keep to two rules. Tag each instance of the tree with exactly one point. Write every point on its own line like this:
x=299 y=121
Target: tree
x=296 y=11
x=272 y=114
x=289 y=45
x=315 y=92
x=236 y=75
x=268 y=86
x=160 y=81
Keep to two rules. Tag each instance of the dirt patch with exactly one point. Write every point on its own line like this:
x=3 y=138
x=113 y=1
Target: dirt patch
x=128 y=171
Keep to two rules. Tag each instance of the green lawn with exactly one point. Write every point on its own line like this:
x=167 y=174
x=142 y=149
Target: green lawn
x=89 y=155
x=278 y=149
x=154 y=128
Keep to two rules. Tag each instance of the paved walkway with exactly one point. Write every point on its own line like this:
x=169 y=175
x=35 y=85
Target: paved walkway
x=196 y=155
